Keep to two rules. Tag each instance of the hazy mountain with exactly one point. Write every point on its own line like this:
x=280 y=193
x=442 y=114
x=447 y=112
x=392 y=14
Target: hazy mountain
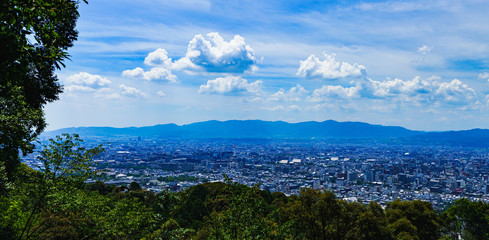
x=282 y=130
x=465 y=138
x=250 y=129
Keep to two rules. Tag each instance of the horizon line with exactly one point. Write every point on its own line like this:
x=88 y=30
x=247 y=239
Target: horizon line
x=243 y=120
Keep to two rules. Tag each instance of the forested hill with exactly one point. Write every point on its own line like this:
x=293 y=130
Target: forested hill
x=466 y=138
x=233 y=211
x=250 y=129
x=331 y=130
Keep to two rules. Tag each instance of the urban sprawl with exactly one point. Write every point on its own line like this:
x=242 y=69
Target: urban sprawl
x=360 y=172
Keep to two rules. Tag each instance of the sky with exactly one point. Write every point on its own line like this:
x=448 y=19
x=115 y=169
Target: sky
x=423 y=65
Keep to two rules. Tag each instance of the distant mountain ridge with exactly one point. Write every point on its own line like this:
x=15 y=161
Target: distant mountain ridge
x=249 y=129
x=329 y=129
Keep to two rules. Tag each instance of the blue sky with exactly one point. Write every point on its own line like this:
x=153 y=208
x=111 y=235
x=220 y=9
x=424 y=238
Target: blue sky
x=423 y=65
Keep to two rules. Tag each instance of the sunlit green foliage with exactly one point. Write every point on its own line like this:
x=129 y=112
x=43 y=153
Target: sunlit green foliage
x=72 y=209
x=34 y=37
x=413 y=218
x=467 y=219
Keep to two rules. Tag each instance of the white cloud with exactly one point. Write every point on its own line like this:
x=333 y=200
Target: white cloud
x=156 y=73
x=230 y=85
x=294 y=108
x=213 y=54
x=161 y=93
x=131 y=92
x=136 y=73
x=328 y=68
x=456 y=93
x=424 y=49
x=416 y=91
x=204 y=54
x=252 y=99
x=322 y=106
x=275 y=108
x=161 y=68
x=401 y=6
x=293 y=95
x=107 y=93
x=484 y=75
x=290 y=108
x=78 y=88
x=112 y=96
x=86 y=82
x=327 y=92
x=430 y=90
x=159 y=57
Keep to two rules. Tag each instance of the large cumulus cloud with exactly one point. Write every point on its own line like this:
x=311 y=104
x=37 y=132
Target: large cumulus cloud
x=211 y=53
x=160 y=65
x=205 y=54
x=417 y=91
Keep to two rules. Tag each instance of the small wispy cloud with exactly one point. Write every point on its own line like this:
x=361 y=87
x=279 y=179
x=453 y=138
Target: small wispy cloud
x=484 y=75
x=424 y=49
x=293 y=95
x=231 y=85
x=131 y=92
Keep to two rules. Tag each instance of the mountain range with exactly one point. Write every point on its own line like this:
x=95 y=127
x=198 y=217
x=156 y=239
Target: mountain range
x=257 y=129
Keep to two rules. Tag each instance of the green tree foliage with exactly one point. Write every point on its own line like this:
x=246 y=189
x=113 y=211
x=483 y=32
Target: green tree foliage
x=170 y=230
x=372 y=223
x=34 y=37
x=193 y=209
x=224 y=211
x=469 y=220
x=65 y=164
x=246 y=217
x=315 y=215
x=413 y=218
x=65 y=160
x=19 y=125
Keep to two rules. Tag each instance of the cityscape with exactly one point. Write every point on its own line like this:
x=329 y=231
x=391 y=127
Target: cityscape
x=208 y=119
x=354 y=172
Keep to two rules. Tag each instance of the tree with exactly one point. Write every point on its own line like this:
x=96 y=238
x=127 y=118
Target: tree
x=315 y=215
x=466 y=219
x=18 y=124
x=170 y=230
x=422 y=219
x=65 y=163
x=34 y=37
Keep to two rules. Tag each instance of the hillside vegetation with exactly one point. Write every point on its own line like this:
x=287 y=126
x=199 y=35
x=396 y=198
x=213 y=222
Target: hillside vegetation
x=56 y=203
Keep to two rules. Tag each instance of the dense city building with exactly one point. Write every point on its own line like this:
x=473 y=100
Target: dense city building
x=360 y=172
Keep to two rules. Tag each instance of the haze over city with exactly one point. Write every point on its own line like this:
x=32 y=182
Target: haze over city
x=422 y=65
